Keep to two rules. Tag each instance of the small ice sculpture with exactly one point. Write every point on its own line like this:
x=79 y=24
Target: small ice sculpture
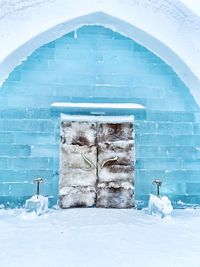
x=37 y=203
x=160 y=206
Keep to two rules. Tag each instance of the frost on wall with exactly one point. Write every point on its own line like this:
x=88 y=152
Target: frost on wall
x=97 y=164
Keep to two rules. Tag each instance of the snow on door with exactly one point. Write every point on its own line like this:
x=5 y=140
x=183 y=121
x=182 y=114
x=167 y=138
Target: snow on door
x=96 y=162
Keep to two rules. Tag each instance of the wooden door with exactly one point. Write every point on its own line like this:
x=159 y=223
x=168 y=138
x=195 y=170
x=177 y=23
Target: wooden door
x=78 y=174
x=115 y=165
x=97 y=164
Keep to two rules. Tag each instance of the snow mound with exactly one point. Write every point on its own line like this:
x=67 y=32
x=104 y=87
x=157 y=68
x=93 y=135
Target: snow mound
x=160 y=206
x=99 y=238
x=39 y=204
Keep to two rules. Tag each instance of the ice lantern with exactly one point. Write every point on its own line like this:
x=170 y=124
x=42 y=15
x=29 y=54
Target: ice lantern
x=37 y=203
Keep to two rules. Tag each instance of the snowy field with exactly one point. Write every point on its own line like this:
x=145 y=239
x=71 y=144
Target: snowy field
x=99 y=238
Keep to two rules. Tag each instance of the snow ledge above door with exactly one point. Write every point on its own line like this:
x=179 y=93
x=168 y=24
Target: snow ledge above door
x=113 y=119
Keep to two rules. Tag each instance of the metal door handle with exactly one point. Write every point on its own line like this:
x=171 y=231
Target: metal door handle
x=107 y=160
x=92 y=166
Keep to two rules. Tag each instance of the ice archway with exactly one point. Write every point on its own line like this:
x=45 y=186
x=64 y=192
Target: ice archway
x=172 y=31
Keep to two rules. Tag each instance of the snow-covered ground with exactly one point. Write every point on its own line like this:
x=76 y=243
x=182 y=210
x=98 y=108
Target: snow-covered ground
x=99 y=238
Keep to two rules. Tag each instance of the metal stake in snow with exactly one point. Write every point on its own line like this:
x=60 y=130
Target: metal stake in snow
x=158 y=183
x=38 y=181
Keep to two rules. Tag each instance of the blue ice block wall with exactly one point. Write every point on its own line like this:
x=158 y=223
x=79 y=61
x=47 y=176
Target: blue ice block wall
x=97 y=64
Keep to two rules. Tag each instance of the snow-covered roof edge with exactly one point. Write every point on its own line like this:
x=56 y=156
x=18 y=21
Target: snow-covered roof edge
x=85 y=118
x=98 y=105
x=172 y=31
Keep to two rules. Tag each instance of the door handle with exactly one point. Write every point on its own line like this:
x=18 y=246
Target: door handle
x=92 y=166
x=108 y=160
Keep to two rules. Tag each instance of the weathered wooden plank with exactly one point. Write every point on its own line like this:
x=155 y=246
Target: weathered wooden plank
x=115 y=165
x=78 y=133
x=116 y=173
x=112 y=132
x=115 y=195
x=78 y=158
x=73 y=156
x=75 y=166
x=77 y=197
x=121 y=151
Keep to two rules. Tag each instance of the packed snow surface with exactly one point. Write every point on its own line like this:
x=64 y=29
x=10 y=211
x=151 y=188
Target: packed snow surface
x=90 y=118
x=98 y=105
x=100 y=238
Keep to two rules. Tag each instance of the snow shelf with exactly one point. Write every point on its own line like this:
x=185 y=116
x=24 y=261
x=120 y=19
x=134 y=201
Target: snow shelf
x=98 y=105
x=113 y=119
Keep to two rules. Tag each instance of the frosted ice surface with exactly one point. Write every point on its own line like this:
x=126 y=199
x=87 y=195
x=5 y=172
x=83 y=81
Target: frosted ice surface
x=160 y=205
x=39 y=204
